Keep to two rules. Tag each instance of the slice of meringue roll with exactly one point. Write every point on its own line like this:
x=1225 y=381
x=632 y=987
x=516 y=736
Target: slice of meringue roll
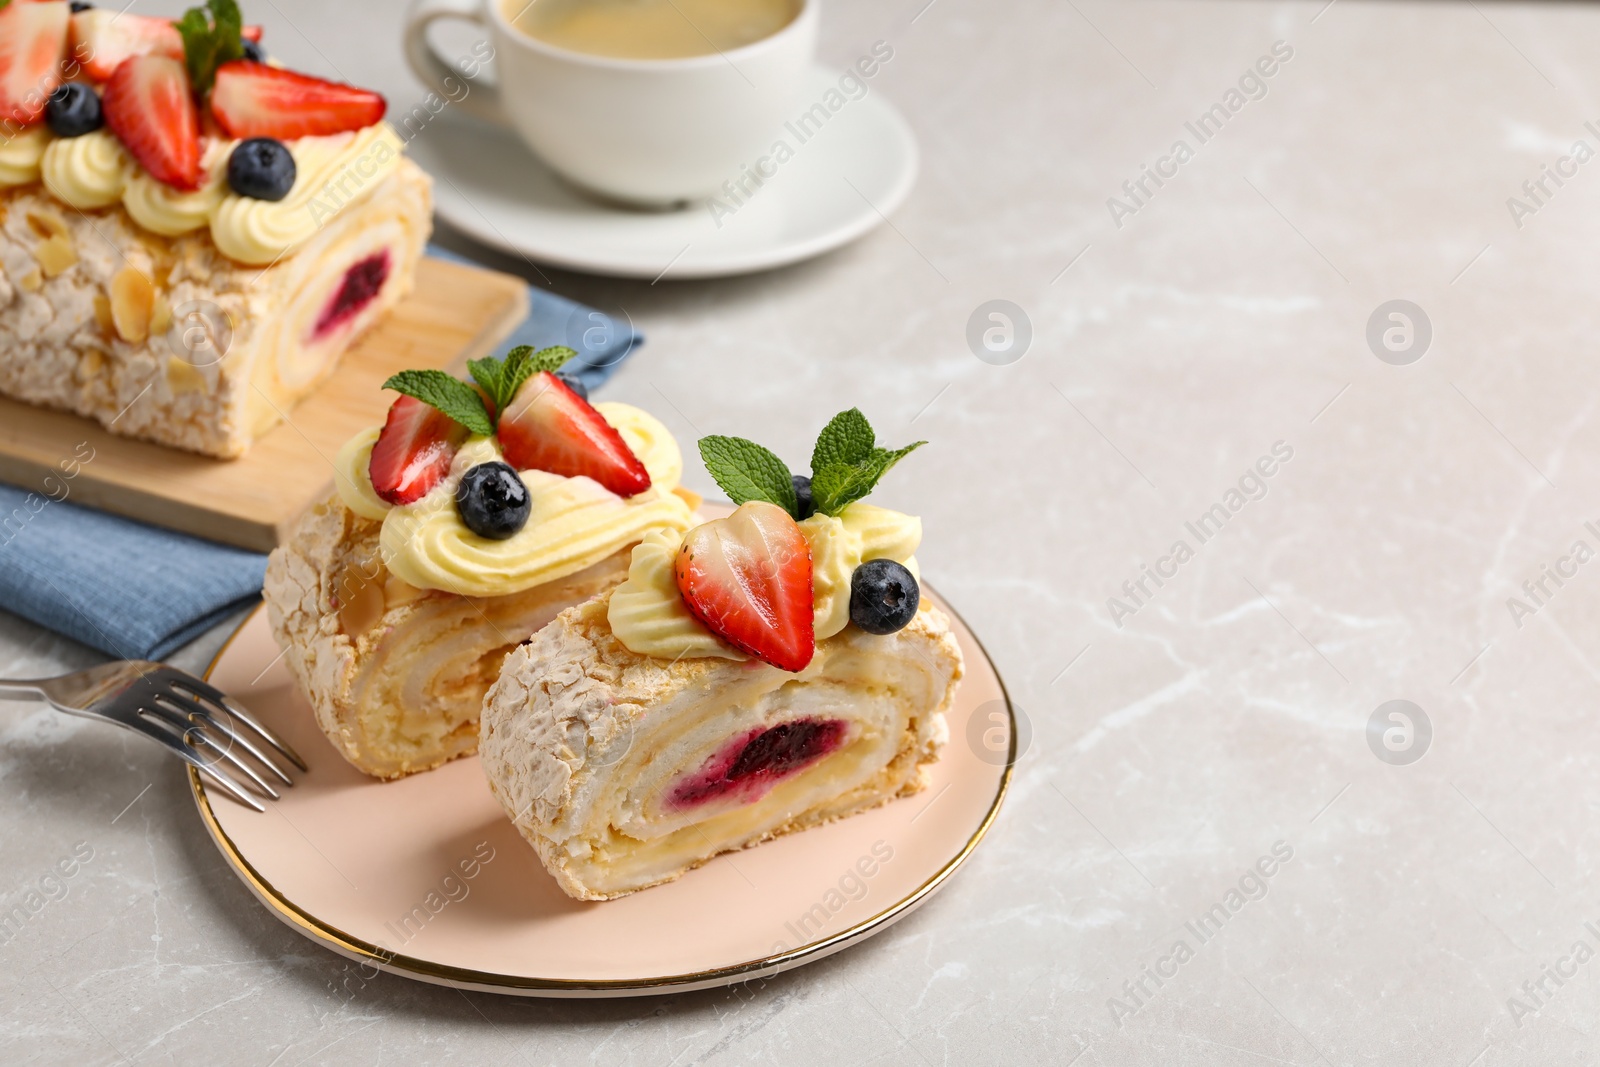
x=626 y=770
x=395 y=619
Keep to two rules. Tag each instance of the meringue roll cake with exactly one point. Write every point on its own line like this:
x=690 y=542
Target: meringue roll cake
x=753 y=676
x=468 y=521
x=191 y=236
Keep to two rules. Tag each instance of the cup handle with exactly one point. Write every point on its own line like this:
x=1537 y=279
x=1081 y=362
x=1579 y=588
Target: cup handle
x=482 y=101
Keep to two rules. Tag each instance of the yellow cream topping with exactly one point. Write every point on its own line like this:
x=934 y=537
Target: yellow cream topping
x=573 y=524
x=648 y=616
x=86 y=172
x=330 y=174
x=160 y=208
x=93 y=171
x=20 y=156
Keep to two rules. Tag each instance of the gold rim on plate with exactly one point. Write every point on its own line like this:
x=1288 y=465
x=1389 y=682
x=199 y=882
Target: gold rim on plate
x=487 y=981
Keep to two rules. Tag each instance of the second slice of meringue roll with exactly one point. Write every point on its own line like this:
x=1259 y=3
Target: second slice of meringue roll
x=625 y=771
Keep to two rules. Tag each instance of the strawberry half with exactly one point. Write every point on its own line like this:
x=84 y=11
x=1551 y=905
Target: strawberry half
x=33 y=42
x=148 y=106
x=414 y=450
x=102 y=39
x=254 y=100
x=748 y=579
x=548 y=427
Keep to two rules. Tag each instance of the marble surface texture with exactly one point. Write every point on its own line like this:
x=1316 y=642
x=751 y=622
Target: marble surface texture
x=1177 y=739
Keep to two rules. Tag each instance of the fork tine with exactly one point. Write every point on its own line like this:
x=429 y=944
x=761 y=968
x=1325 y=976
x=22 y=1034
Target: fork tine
x=210 y=718
x=193 y=736
x=234 y=761
x=215 y=696
x=161 y=731
x=238 y=711
x=229 y=786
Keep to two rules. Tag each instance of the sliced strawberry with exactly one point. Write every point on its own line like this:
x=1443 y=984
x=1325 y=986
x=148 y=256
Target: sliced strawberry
x=413 y=453
x=548 y=427
x=33 y=42
x=254 y=100
x=148 y=106
x=102 y=39
x=748 y=579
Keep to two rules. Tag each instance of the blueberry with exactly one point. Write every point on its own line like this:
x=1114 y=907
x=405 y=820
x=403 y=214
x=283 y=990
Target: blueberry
x=883 y=596
x=492 y=501
x=575 y=383
x=254 y=52
x=804 y=508
x=73 y=110
x=262 y=169
x=80 y=5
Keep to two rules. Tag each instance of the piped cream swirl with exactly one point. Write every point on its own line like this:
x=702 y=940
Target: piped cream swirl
x=648 y=616
x=94 y=171
x=20 y=156
x=160 y=208
x=331 y=173
x=574 y=523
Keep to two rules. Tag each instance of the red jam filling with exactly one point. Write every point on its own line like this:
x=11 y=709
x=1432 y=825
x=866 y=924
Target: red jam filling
x=361 y=285
x=751 y=765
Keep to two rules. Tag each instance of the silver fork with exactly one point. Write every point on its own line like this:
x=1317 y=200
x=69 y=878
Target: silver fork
x=187 y=717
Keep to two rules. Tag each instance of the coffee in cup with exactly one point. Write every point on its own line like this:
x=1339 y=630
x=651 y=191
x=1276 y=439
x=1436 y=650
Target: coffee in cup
x=619 y=98
x=650 y=29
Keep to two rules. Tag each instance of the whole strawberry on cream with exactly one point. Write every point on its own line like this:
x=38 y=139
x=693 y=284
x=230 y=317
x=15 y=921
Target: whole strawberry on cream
x=754 y=675
x=190 y=235
x=471 y=518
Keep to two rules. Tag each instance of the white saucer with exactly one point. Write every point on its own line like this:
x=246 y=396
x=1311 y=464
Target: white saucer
x=840 y=183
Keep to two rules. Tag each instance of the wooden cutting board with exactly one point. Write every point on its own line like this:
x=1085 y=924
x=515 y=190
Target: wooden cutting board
x=456 y=313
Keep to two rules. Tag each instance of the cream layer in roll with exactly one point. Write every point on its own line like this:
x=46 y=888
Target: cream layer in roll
x=625 y=771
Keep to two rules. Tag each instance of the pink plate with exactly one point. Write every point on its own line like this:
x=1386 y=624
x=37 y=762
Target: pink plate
x=426 y=877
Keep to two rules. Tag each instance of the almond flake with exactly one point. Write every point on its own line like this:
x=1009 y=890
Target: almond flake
x=47 y=223
x=183 y=376
x=56 y=255
x=132 y=301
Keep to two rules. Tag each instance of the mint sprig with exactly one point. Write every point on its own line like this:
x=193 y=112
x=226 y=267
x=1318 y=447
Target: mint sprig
x=747 y=472
x=846 y=465
x=212 y=35
x=501 y=378
x=450 y=395
x=838 y=485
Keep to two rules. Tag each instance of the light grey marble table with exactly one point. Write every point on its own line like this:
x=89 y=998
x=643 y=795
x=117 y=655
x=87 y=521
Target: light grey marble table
x=1190 y=737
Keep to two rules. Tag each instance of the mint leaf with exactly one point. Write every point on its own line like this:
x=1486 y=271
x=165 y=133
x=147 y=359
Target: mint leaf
x=553 y=358
x=847 y=439
x=450 y=395
x=515 y=368
x=489 y=373
x=838 y=485
x=843 y=483
x=211 y=37
x=522 y=363
x=746 y=471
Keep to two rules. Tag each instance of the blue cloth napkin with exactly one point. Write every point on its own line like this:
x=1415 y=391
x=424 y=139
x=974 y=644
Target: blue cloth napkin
x=140 y=592
x=602 y=343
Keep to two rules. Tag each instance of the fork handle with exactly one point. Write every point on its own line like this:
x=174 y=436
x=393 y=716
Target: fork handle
x=21 y=691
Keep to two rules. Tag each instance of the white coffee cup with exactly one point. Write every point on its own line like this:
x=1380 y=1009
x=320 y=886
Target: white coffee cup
x=646 y=131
